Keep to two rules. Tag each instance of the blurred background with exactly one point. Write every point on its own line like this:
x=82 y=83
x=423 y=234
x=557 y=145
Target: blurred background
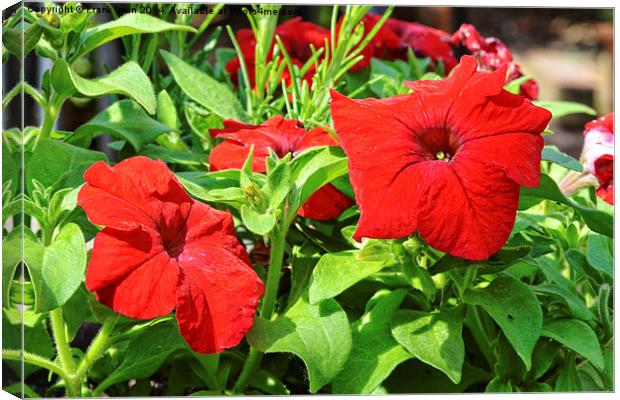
x=568 y=51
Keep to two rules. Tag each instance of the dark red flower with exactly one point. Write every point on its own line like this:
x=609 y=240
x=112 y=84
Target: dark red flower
x=445 y=161
x=296 y=35
x=598 y=154
x=396 y=36
x=160 y=250
x=492 y=54
x=283 y=136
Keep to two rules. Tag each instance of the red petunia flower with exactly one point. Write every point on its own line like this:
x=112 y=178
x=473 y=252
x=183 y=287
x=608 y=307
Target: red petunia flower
x=283 y=136
x=445 y=161
x=396 y=36
x=598 y=154
x=296 y=35
x=492 y=54
x=160 y=250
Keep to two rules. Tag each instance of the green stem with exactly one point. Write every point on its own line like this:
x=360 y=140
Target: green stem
x=64 y=352
x=476 y=328
x=98 y=346
x=278 y=239
x=34 y=359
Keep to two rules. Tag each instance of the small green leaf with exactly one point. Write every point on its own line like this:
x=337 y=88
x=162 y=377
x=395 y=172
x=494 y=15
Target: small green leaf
x=203 y=89
x=313 y=168
x=128 y=80
x=434 y=338
x=336 y=272
x=515 y=309
x=553 y=154
x=259 y=223
x=172 y=156
x=145 y=354
x=60 y=165
x=599 y=255
x=577 y=336
x=25 y=329
x=278 y=184
x=57 y=270
x=499 y=261
x=498 y=385
x=124 y=120
x=544 y=355
x=568 y=379
x=11 y=256
x=563 y=108
x=166 y=111
x=375 y=353
x=21 y=35
x=128 y=24
x=317 y=333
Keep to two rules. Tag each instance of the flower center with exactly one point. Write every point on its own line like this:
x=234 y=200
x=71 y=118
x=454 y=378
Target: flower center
x=440 y=144
x=174 y=245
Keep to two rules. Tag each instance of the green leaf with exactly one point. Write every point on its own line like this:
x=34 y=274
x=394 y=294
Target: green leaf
x=568 y=379
x=553 y=154
x=313 y=168
x=597 y=220
x=577 y=336
x=336 y=272
x=499 y=261
x=545 y=353
x=60 y=165
x=576 y=306
x=599 y=255
x=145 y=354
x=509 y=366
x=200 y=87
x=128 y=80
x=21 y=39
x=124 y=120
x=11 y=165
x=278 y=184
x=434 y=338
x=515 y=309
x=57 y=270
x=317 y=333
x=34 y=335
x=166 y=111
x=259 y=223
x=172 y=156
x=498 y=385
x=375 y=353
x=563 y=108
x=128 y=24
x=11 y=256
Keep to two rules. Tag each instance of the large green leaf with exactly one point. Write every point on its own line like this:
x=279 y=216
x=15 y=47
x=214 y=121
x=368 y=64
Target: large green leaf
x=597 y=220
x=124 y=120
x=11 y=256
x=515 y=309
x=317 y=333
x=59 y=164
x=336 y=272
x=145 y=354
x=434 y=338
x=128 y=80
x=577 y=336
x=128 y=24
x=57 y=270
x=203 y=89
x=375 y=353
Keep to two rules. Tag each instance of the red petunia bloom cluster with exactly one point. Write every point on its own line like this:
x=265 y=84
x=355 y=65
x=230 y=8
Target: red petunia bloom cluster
x=446 y=161
x=296 y=35
x=598 y=154
x=492 y=54
x=396 y=36
x=161 y=251
x=282 y=136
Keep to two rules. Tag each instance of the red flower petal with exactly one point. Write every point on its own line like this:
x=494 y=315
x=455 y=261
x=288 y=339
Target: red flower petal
x=325 y=204
x=131 y=273
x=130 y=194
x=217 y=297
x=468 y=208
